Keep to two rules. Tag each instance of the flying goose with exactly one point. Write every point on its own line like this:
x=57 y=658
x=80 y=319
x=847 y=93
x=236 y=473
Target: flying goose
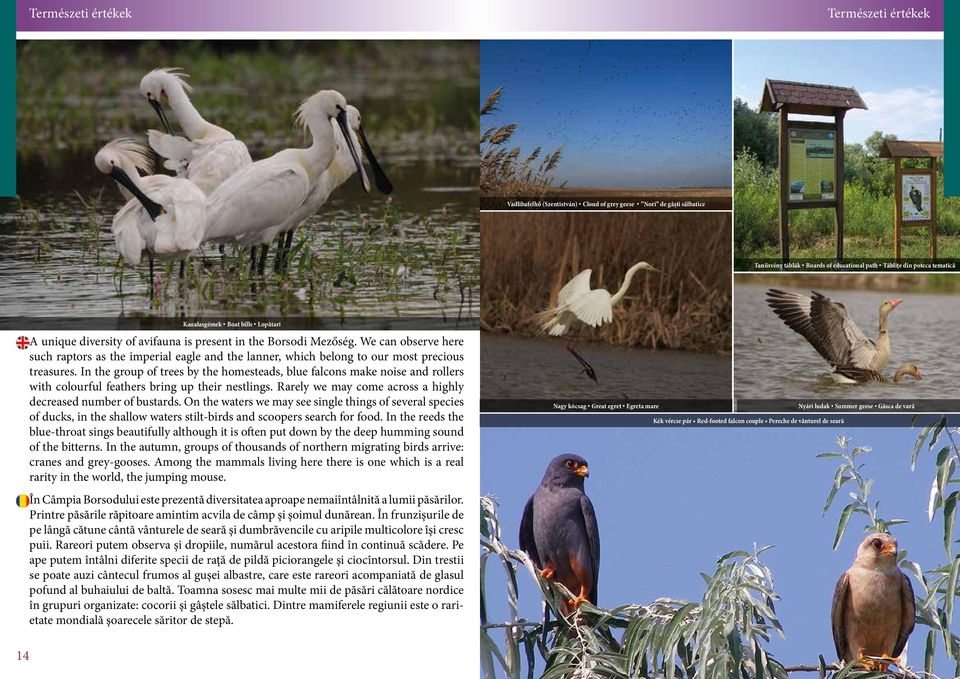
x=848 y=375
x=829 y=328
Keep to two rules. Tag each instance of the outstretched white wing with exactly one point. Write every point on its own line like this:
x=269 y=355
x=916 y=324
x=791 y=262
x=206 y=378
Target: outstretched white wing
x=593 y=308
x=577 y=286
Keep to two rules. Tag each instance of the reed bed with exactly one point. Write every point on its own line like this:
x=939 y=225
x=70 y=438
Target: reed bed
x=527 y=257
x=502 y=170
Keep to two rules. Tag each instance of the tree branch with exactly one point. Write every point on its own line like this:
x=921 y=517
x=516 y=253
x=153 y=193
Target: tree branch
x=834 y=667
x=810 y=668
x=502 y=625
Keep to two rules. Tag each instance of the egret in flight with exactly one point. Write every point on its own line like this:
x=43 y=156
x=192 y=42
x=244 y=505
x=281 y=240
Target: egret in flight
x=164 y=217
x=263 y=195
x=577 y=303
x=208 y=154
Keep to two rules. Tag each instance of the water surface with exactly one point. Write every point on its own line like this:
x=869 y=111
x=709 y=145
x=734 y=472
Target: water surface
x=773 y=362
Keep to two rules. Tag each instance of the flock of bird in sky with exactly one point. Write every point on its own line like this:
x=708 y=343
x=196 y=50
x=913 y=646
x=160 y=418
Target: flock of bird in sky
x=218 y=193
x=873 y=610
x=620 y=100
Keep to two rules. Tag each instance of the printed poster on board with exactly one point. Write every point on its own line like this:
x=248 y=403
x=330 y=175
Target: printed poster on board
x=915 y=201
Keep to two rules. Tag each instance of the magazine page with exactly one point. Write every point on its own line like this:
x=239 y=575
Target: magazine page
x=287 y=287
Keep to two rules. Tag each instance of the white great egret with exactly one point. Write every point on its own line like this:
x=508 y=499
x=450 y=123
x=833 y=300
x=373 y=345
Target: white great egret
x=208 y=154
x=265 y=194
x=577 y=303
x=164 y=218
x=340 y=170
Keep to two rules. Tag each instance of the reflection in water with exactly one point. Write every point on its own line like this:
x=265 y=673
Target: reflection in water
x=413 y=254
x=772 y=361
x=524 y=368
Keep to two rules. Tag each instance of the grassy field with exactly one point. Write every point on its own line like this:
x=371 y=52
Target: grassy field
x=868 y=222
x=73 y=95
x=528 y=257
x=590 y=192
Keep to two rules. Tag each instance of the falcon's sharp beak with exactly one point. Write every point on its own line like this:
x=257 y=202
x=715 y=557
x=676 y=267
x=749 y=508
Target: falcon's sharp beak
x=889 y=550
x=583 y=471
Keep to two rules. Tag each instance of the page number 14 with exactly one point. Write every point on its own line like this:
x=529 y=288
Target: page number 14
x=23 y=655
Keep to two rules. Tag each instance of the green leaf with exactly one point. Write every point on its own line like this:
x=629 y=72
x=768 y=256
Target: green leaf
x=736 y=554
x=936 y=432
x=943 y=455
x=830 y=497
x=488 y=646
x=736 y=648
x=842 y=524
x=949 y=518
x=951 y=594
x=918 y=445
x=930 y=652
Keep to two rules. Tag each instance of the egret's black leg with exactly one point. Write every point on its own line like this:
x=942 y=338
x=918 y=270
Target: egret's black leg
x=587 y=368
x=151 y=276
x=278 y=255
x=285 y=241
x=264 y=249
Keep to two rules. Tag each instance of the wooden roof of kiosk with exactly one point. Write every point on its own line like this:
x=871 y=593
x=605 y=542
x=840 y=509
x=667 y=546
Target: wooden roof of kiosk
x=895 y=148
x=820 y=100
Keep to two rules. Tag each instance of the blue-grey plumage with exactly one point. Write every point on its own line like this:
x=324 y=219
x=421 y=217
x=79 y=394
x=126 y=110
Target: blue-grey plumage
x=559 y=530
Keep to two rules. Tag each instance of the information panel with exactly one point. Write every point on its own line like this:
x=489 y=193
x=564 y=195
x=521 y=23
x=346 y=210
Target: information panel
x=812 y=164
x=915 y=197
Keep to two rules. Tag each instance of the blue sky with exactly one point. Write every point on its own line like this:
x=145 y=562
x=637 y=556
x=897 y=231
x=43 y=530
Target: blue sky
x=901 y=81
x=629 y=114
x=670 y=501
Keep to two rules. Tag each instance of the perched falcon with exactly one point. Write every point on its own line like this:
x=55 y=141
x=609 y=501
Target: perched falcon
x=873 y=607
x=559 y=530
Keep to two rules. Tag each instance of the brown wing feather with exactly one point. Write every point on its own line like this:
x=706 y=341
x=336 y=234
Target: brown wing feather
x=796 y=311
x=860 y=374
x=832 y=322
x=908 y=615
x=836 y=616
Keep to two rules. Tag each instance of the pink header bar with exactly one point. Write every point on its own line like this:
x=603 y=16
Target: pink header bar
x=475 y=17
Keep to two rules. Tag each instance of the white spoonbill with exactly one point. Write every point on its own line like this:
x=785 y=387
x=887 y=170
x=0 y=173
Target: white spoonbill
x=265 y=194
x=577 y=303
x=208 y=154
x=340 y=170
x=165 y=217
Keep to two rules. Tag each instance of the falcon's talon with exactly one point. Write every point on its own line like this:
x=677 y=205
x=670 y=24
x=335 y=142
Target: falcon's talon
x=890 y=659
x=547 y=573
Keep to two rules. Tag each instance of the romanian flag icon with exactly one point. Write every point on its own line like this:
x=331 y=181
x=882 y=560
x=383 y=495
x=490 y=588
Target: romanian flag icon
x=23 y=500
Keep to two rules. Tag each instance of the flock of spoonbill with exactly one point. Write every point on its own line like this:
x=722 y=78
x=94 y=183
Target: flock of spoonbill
x=219 y=194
